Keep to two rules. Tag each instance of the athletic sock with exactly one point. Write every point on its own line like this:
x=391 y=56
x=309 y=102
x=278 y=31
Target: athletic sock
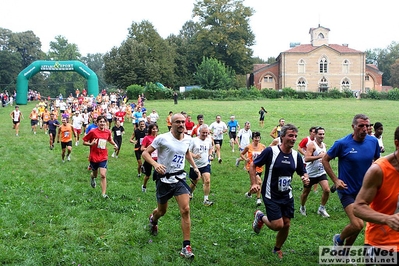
x=186 y=243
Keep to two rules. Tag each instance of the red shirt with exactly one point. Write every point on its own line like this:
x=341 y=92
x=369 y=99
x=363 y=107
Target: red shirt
x=147 y=140
x=98 y=152
x=120 y=116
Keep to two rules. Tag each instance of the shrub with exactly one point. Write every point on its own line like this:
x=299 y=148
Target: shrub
x=393 y=94
x=134 y=90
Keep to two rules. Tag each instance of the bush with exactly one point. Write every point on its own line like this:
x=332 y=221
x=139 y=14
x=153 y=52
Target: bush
x=334 y=93
x=393 y=94
x=289 y=93
x=133 y=91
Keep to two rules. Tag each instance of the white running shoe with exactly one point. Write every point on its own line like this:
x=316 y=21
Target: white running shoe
x=322 y=211
x=302 y=210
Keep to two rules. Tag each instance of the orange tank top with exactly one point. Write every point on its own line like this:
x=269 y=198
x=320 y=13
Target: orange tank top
x=66 y=133
x=253 y=153
x=386 y=201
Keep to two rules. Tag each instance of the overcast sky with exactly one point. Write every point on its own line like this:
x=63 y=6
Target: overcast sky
x=97 y=26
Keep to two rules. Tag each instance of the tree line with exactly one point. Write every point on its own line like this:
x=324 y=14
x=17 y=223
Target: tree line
x=214 y=51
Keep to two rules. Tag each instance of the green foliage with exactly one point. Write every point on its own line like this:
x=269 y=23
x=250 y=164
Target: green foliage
x=133 y=91
x=214 y=75
x=373 y=94
x=225 y=33
x=270 y=93
x=393 y=94
x=334 y=93
x=289 y=93
x=154 y=92
x=347 y=93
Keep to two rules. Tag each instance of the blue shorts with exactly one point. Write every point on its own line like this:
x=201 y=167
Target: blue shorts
x=166 y=191
x=346 y=199
x=94 y=166
x=276 y=209
x=193 y=175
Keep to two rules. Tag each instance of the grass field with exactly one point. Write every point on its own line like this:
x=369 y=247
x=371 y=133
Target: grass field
x=51 y=216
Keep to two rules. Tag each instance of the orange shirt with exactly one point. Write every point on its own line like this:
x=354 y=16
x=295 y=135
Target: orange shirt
x=253 y=153
x=65 y=132
x=46 y=116
x=385 y=201
x=33 y=115
x=169 y=121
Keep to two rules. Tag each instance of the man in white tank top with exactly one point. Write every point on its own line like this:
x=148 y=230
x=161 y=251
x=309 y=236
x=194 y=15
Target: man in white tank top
x=173 y=150
x=315 y=151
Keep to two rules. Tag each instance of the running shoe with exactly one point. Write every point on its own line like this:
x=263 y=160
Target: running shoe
x=187 y=253
x=258 y=202
x=322 y=211
x=208 y=203
x=302 y=210
x=237 y=162
x=153 y=227
x=258 y=223
x=279 y=253
x=248 y=195
x=143 y=188
x=93 y=182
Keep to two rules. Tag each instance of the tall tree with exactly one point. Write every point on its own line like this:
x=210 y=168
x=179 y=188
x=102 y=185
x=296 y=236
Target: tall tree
x=143 y=57
x=96 y=63
x=186 y=58
x=226 y=34
x=394 y=80
x=214 y=75
x=64 y=83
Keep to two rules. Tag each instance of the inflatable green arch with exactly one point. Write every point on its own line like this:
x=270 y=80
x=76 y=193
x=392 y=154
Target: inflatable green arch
x=37 y=66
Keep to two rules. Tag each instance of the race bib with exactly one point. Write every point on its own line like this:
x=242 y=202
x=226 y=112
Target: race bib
x=177 y=161
x=66 y=134
x=118 y=133
x=102 y=144
x=154 y=154
x=284 y=183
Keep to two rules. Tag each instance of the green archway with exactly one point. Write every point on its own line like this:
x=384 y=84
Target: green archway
x=37 y=66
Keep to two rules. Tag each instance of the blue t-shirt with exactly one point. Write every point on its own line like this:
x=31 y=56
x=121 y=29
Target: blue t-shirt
x=90 y=127
x=232 y=125
x=279 y=169
x=354 y=159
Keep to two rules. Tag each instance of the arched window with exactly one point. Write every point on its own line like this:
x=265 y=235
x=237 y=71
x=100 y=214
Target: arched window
x=323 y=85
x=301 y=66
x=345 y=84
x=321 y=36
x=268 y=78
x=323 y=65
x=345 y=66
x=301 y=85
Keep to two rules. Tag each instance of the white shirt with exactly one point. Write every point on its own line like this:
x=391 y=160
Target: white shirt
x=172 y=154
x=154 y=117
x=202 y=147
x=77 y=121
x=217 y=129
x=244 y=137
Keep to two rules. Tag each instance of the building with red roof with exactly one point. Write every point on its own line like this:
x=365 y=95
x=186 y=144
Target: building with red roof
x=318 y=67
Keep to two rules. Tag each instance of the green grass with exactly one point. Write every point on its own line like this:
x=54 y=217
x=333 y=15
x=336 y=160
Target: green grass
x=51 y=216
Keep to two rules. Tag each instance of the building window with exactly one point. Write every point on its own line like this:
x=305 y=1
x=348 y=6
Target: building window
x=323 y=85
x=323 y=65
x=268 y=79
x=301 y=66
x=345 y=67
x=321 y=36
x=345 y=85
x=301 y=85
x=367 y=78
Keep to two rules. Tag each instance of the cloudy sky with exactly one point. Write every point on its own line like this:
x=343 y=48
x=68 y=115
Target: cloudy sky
x=97 y=26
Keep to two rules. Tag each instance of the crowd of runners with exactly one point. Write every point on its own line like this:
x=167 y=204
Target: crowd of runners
x=94 y=121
